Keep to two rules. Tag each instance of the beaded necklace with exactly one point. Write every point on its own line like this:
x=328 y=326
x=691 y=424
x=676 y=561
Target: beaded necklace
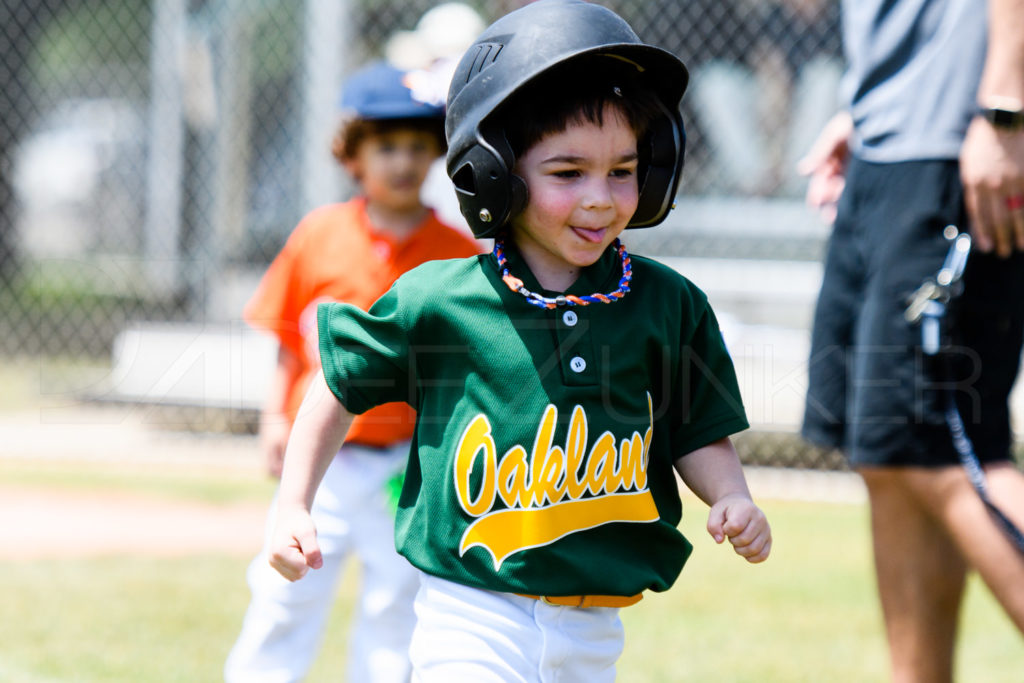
x=516 y=285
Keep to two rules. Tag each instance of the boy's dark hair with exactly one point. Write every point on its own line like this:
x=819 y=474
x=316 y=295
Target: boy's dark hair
x=579 y=92
x=355 y=131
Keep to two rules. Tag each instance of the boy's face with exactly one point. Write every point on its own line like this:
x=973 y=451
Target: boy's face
x=583 y=190
x=392 y=166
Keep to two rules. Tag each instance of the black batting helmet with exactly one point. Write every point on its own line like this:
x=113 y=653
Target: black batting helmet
x=518 y=48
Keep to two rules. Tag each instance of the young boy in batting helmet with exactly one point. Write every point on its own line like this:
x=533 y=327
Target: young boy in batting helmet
x=349 y=251
x=558 y=381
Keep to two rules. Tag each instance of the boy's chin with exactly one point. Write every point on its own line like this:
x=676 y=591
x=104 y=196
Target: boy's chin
x=408 y=205
x=582 y=259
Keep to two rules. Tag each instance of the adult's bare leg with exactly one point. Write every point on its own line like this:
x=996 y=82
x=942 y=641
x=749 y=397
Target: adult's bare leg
x=920 y=575
x=985 y=546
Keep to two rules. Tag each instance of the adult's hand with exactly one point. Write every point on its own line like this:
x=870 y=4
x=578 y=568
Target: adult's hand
x=992 y=171
x=825 y=165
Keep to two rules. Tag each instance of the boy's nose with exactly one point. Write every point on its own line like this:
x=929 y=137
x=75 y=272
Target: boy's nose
x=404 y=157
x=598 y=195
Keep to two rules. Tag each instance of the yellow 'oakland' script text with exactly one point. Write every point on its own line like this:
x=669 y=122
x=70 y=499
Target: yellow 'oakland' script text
x=555 y=491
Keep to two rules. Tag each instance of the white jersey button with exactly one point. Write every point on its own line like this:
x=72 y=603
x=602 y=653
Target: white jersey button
x=578 y=364
x=570 y=318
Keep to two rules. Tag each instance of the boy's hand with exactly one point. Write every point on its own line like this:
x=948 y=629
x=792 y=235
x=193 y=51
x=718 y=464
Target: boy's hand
x=737 y=518
x=293 y=547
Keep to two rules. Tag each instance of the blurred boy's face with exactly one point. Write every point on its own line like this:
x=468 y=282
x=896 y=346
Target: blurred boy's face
x=392 y=166
x=583 y=190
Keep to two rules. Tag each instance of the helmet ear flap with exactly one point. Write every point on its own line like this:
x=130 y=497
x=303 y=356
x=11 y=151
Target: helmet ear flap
x=518 y=195
x=489 y=193
x=661 y=161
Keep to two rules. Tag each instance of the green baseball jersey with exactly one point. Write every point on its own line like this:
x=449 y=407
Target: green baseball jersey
x=542 y=461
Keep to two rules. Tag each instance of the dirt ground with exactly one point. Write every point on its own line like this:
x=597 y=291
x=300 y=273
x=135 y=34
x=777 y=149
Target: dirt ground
x=37 y=522
x=47 y=524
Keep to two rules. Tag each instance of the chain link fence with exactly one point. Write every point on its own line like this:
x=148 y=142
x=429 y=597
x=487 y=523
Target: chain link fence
x=154 y=156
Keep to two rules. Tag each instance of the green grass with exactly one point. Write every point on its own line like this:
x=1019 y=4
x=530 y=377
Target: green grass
x=809 y=614
x=805 y=615
x=133 y=619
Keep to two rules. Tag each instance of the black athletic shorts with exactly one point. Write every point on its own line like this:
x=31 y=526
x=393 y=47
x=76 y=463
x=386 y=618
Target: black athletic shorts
x=872 y=391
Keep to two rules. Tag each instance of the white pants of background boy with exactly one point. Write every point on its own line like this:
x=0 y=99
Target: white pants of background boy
x=285 y=621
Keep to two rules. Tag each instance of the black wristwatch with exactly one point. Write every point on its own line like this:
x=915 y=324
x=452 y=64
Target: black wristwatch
x=1003 y=118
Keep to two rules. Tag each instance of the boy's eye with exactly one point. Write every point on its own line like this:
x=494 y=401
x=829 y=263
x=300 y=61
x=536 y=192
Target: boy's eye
x=623 y=172
x=567 y=173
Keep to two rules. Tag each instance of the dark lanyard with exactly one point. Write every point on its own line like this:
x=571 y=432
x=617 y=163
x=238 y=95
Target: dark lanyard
x=928 y=308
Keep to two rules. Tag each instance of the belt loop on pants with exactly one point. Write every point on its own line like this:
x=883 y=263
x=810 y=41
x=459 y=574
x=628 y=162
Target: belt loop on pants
x=584 y=601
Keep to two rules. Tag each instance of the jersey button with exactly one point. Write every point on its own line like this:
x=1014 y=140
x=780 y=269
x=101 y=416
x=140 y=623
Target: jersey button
x=578 y=364
x=570 y=318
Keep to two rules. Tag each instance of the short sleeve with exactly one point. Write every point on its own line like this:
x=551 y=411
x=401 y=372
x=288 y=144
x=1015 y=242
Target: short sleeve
x=709 y=406
x=366 y=355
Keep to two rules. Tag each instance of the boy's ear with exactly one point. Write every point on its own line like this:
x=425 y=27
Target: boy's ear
x=353 y=168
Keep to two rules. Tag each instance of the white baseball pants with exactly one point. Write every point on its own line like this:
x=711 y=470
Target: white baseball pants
x=284 y=624
x=468 y=635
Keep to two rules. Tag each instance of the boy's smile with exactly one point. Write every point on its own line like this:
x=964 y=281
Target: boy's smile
x=582 y=184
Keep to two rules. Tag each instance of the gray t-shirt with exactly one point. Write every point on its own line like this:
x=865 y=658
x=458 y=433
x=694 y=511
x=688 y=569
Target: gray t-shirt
x=912 y=78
